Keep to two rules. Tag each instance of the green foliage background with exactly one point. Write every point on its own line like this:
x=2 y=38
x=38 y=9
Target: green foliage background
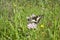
x=13 y=23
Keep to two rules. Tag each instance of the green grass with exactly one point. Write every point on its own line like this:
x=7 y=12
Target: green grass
x=13 y=22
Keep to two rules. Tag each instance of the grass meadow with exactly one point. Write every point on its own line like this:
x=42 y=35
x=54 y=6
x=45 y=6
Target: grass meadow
x=13 y=22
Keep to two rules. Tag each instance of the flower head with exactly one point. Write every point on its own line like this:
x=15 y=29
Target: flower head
x=42 y=26
x=32 y=25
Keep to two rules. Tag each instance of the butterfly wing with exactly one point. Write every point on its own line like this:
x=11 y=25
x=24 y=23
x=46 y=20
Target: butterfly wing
x=39 y=17
x=36 y=19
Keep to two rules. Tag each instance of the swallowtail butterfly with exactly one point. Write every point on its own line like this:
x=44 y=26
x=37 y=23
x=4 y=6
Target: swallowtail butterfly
x=33 y=20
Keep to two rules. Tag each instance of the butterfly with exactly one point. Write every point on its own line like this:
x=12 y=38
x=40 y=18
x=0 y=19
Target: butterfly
x=33 y=20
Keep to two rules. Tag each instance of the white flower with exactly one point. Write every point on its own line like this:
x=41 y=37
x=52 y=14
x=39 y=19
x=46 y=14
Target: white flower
x=32 y=25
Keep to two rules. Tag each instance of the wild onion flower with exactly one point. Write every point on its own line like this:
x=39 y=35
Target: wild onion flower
x=32 y=25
